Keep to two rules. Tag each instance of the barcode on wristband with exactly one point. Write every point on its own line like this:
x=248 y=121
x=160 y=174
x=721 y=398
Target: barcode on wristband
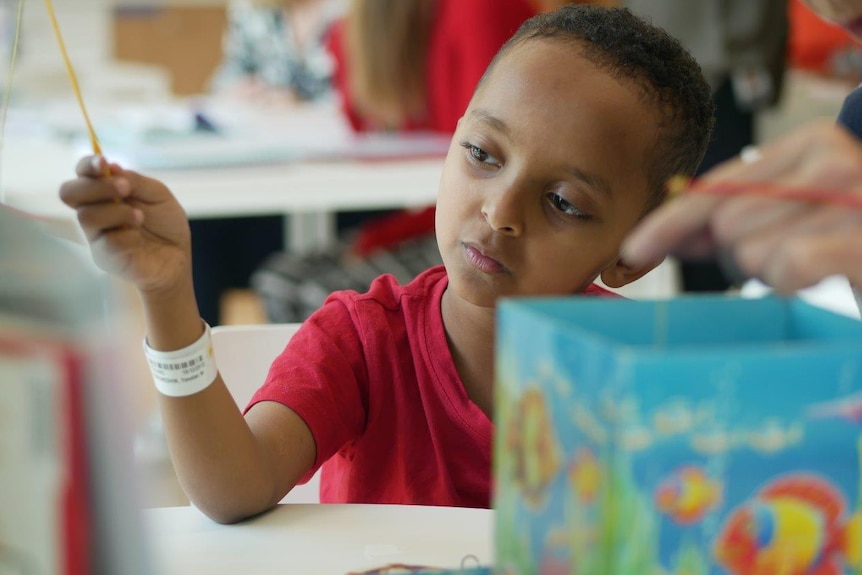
x=179 y=366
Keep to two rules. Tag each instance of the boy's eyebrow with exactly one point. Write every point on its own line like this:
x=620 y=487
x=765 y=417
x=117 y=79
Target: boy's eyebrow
x=486 y=117
x=594 y=181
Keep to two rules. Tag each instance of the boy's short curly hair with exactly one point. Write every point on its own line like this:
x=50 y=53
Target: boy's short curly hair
x=630 y=48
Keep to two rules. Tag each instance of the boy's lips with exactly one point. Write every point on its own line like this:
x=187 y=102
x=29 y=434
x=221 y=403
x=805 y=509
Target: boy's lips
x=482 y=259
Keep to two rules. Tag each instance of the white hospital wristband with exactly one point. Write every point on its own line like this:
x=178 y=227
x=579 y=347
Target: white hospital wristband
x=183 y=371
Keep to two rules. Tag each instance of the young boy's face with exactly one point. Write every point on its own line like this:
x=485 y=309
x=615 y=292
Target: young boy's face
x=546 y=174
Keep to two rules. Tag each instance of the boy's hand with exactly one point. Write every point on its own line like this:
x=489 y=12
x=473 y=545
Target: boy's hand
x=787 y=244
x=135 y=227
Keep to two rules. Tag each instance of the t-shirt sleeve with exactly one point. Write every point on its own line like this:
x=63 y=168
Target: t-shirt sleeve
x=322 y=376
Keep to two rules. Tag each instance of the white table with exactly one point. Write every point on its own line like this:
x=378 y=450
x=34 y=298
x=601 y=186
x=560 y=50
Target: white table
x=319 y=539
x=309 y=193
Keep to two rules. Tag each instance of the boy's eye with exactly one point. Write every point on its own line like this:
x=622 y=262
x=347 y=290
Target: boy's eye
x=479 y=155
x=563 y=206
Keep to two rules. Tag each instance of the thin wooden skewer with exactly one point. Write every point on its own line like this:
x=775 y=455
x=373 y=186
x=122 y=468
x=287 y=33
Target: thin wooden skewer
x=70 y=70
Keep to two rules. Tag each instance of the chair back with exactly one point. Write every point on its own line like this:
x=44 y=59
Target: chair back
x=243 y=354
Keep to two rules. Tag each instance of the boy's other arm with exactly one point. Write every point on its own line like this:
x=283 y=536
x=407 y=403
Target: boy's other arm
x=230 y=467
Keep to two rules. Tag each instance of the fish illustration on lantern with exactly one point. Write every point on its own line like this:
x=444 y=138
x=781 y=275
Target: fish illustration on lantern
x=796 y=525
x=536 y=452
x=687 y=495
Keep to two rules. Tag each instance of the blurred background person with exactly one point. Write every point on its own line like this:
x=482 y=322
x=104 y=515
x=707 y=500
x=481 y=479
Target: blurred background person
x=821 y=47
x=401 y=66
x=837 y=36
x=741 y=46
x=276 y=50
x=411 y=65
x=275 y=53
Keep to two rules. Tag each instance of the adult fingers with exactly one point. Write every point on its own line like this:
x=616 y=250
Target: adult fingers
x=802 y=262
x=781 y=160
x=739 y=217
x=794 y=241
x=818 y=154
x=669 y=227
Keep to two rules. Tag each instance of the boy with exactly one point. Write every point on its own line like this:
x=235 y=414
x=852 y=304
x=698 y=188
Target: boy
x=568 y=141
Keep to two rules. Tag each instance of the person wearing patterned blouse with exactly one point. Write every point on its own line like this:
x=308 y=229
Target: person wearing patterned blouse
x=277 y=50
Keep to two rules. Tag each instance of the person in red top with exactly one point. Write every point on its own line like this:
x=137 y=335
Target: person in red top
x=443 y=65
x=568 y=141
x=813 y=41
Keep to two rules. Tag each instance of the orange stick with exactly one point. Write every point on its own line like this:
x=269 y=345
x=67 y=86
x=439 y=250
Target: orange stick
x=680 y=184
x=70 y=70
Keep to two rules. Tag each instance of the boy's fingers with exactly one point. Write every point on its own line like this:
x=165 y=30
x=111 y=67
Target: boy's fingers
x=83 y=191
x=92 y=166
x=99 y=218
x=142 y=188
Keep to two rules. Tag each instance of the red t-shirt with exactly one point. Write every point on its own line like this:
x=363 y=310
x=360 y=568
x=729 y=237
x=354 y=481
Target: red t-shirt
x=372 y=377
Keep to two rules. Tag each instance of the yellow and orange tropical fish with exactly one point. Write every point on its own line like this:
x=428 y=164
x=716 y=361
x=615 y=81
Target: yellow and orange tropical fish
x=794 y=526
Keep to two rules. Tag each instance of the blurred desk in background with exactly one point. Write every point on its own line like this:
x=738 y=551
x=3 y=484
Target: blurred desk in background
x=303 y=166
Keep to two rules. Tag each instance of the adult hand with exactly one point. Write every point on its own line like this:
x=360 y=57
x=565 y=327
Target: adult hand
x=135 y=227
x=788 y=244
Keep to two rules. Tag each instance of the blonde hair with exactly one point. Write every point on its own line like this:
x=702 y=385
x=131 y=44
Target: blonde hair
x=387 y=46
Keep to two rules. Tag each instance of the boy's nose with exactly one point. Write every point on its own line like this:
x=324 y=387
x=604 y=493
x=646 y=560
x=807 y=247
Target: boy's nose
x=504 y=212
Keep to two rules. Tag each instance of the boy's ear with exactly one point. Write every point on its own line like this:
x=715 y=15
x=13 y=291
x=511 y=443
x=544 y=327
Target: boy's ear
x=619 y=273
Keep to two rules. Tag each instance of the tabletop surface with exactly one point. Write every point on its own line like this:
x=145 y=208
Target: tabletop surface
x=319 y=539
x=34 y=171
x=322 y=170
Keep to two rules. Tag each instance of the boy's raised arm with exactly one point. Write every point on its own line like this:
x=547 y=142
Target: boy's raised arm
x=230 y=467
